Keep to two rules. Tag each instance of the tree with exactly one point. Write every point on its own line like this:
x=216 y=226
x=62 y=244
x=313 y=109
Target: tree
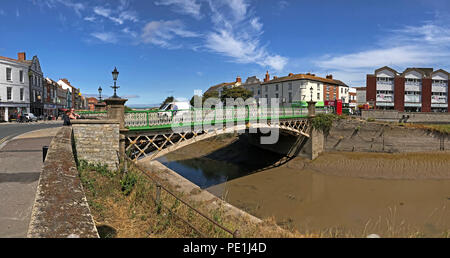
x=168 y=100
x=236 y=92
x=206 y=95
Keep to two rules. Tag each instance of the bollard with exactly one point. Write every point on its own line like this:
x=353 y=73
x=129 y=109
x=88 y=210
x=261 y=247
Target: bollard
x=44 y=153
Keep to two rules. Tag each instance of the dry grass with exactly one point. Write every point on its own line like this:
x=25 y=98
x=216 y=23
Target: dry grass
x=136 y=215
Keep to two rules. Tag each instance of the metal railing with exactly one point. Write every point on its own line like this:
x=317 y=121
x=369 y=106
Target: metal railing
x=139 y=120
x=158 y=201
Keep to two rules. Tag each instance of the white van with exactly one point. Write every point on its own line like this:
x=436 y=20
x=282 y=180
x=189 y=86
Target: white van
x=179 y=108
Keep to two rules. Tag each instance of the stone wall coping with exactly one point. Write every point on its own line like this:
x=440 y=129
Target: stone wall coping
x=94 y=121
x=60 y=208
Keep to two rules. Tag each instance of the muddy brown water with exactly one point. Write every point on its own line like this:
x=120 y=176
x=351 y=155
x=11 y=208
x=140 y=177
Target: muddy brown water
x=339 y=194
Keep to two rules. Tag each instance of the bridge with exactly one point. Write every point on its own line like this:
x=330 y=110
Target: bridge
x=149 y=135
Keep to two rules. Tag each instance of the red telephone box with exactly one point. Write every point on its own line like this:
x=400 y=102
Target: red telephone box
x=338 y=107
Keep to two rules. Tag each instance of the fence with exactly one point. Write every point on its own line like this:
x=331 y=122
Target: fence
x=158 y=202
x=154 y=119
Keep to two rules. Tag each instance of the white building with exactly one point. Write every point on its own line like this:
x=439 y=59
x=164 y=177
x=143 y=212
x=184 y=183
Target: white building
x=14 y=86
x=294 y=88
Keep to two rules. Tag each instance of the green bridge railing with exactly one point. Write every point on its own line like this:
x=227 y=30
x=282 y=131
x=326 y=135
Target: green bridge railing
x=157 y=120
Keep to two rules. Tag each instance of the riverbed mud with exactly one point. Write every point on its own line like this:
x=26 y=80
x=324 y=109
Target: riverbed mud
x=338 y=194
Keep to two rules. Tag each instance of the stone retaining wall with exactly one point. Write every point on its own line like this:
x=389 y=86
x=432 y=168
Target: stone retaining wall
x=393 y=115
x=97 y=141
x=60 y=209
x=362 y=136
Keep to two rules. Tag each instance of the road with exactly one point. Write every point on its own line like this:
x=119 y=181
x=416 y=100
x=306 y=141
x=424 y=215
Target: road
x=9 y=131
x=20 y=169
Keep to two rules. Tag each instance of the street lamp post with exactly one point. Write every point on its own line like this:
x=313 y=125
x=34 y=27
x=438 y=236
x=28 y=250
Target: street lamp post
x=311 y=89
x=115 y=74
x=100 y=93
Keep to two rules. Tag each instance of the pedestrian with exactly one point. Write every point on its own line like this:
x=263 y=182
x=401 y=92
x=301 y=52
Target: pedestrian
x=66 y=118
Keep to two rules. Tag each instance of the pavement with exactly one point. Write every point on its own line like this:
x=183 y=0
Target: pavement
x=20 y=169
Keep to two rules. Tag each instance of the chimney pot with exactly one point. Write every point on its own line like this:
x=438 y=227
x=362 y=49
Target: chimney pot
x=267 y=77
x=291 y=74
x=21 y=56
x=330 y=76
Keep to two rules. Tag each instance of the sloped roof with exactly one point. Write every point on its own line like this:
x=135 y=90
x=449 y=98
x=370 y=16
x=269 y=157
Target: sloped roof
x=296 y=77
x=27 y=62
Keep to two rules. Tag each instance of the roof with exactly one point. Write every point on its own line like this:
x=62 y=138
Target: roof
x=218 y=86
x=27 y=62
x=441 y=71
x=426 y=72
x=386 y=68
x=296 y=77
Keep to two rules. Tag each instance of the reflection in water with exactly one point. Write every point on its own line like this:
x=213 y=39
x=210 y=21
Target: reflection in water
x=203 y=172
x=310 y=201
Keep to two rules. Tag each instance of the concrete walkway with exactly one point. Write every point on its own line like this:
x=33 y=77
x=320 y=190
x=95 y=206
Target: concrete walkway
x=20 y=168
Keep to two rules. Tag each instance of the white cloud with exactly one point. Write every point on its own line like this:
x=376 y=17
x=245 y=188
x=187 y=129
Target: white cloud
x=107 y=37
x=410 y=46
x=161 y=33
x=190 y=7
x=237 y=34
x=120 y=19
x=90 y=18
x=2 y=13
x=77 y=7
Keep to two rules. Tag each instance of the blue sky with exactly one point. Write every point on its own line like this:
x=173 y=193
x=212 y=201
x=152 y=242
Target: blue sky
x=173 y=47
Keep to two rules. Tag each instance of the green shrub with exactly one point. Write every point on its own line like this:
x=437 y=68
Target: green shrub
x=128 y=183
x=370 y=119
x=323 y=122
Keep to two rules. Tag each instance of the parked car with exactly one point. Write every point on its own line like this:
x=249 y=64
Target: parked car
x=30 y=117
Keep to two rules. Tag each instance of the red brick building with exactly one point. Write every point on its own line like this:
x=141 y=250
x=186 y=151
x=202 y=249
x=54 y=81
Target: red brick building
x=414 y=90
x=91 y=103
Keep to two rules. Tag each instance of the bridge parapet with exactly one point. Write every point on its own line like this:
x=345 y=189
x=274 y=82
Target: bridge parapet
x=60 y=209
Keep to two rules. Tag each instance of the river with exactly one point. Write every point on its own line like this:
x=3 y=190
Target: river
x=355 y=198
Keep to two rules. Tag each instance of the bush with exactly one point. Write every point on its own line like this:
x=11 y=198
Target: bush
x=324 y=122
x=128 y=183
x=370 y=119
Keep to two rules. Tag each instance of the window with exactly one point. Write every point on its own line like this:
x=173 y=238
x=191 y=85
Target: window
x=328 y=96
x=276 y=95
x=21 y=94
x=290 y=97
x=342 y=90
x=290 y=86
x=266 y=88
x=8 y=74
x=8 y=93
x=318 y=86
x=318 y=96
x=276 y=88
x=259 y=91
x=21 y=77
x=34 y=96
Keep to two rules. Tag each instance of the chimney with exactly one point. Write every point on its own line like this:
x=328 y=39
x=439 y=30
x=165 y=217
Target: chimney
x=291 y=74
x=330 y=76
x=21 y=56
x=308 y=73
x=275 y=77
x=313 y=75
x=267 y=77
x=238 y=79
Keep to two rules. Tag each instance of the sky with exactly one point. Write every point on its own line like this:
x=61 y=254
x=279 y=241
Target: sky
x=174 y=47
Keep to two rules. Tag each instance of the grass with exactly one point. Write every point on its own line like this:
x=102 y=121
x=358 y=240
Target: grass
x=123 y=205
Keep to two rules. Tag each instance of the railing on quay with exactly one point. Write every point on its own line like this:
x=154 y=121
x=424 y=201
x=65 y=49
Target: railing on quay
x=158 y=201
